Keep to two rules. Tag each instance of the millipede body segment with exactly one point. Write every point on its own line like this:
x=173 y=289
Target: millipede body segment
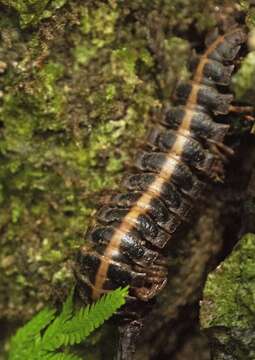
x=127 y=245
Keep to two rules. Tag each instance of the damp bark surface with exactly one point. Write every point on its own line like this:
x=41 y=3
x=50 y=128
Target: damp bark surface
x=80 y=84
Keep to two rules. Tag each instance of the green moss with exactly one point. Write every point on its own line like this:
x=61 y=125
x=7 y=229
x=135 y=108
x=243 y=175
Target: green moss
x=243 y=81
x=32 y=11
x=98 y=28
x=246 y=6
x=124 y=62
x=229 y=294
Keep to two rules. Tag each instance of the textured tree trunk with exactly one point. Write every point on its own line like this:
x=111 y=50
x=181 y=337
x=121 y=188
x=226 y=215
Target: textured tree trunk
x=80 y=83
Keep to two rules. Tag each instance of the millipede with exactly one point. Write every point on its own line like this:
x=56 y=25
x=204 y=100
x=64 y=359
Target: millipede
x=128 y=242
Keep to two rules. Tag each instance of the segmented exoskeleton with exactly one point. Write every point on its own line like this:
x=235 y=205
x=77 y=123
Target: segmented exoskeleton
x=127 y=244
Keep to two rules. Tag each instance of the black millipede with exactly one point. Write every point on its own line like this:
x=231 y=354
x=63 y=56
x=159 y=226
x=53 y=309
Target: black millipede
x=183 y=154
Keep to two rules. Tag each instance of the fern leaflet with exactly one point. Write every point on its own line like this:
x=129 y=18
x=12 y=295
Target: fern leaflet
x=42 y=336
x=74 y=330
x=28 y=336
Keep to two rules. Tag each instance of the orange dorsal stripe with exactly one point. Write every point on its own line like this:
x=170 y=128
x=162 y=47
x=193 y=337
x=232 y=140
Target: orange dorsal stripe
x=167 y=171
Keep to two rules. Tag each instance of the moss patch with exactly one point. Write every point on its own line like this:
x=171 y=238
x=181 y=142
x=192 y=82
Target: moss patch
x=229 y=294
x=243 y=81
x=32 y=11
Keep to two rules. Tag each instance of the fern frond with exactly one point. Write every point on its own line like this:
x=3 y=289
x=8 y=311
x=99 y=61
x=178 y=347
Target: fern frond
x=26 y=336
x=60 y=356
x=67 y=309
x=76 y=329
x=56 y=326
x=68 y=328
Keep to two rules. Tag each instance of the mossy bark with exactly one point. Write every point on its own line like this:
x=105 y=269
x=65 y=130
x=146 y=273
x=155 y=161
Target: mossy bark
x=80 y=83
x=227 y=311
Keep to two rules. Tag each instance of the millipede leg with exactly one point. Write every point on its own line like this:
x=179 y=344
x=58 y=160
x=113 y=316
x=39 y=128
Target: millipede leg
x=221 y=149
x=241 y=109
x=248 y=114
x=251 y=119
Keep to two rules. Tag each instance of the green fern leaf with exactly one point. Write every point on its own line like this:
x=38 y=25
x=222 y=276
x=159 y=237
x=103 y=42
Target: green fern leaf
x=67 y=309
x=75 y=329
x=66 y=329
x=57 y=324
x=27 y=336
x=60 y=356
